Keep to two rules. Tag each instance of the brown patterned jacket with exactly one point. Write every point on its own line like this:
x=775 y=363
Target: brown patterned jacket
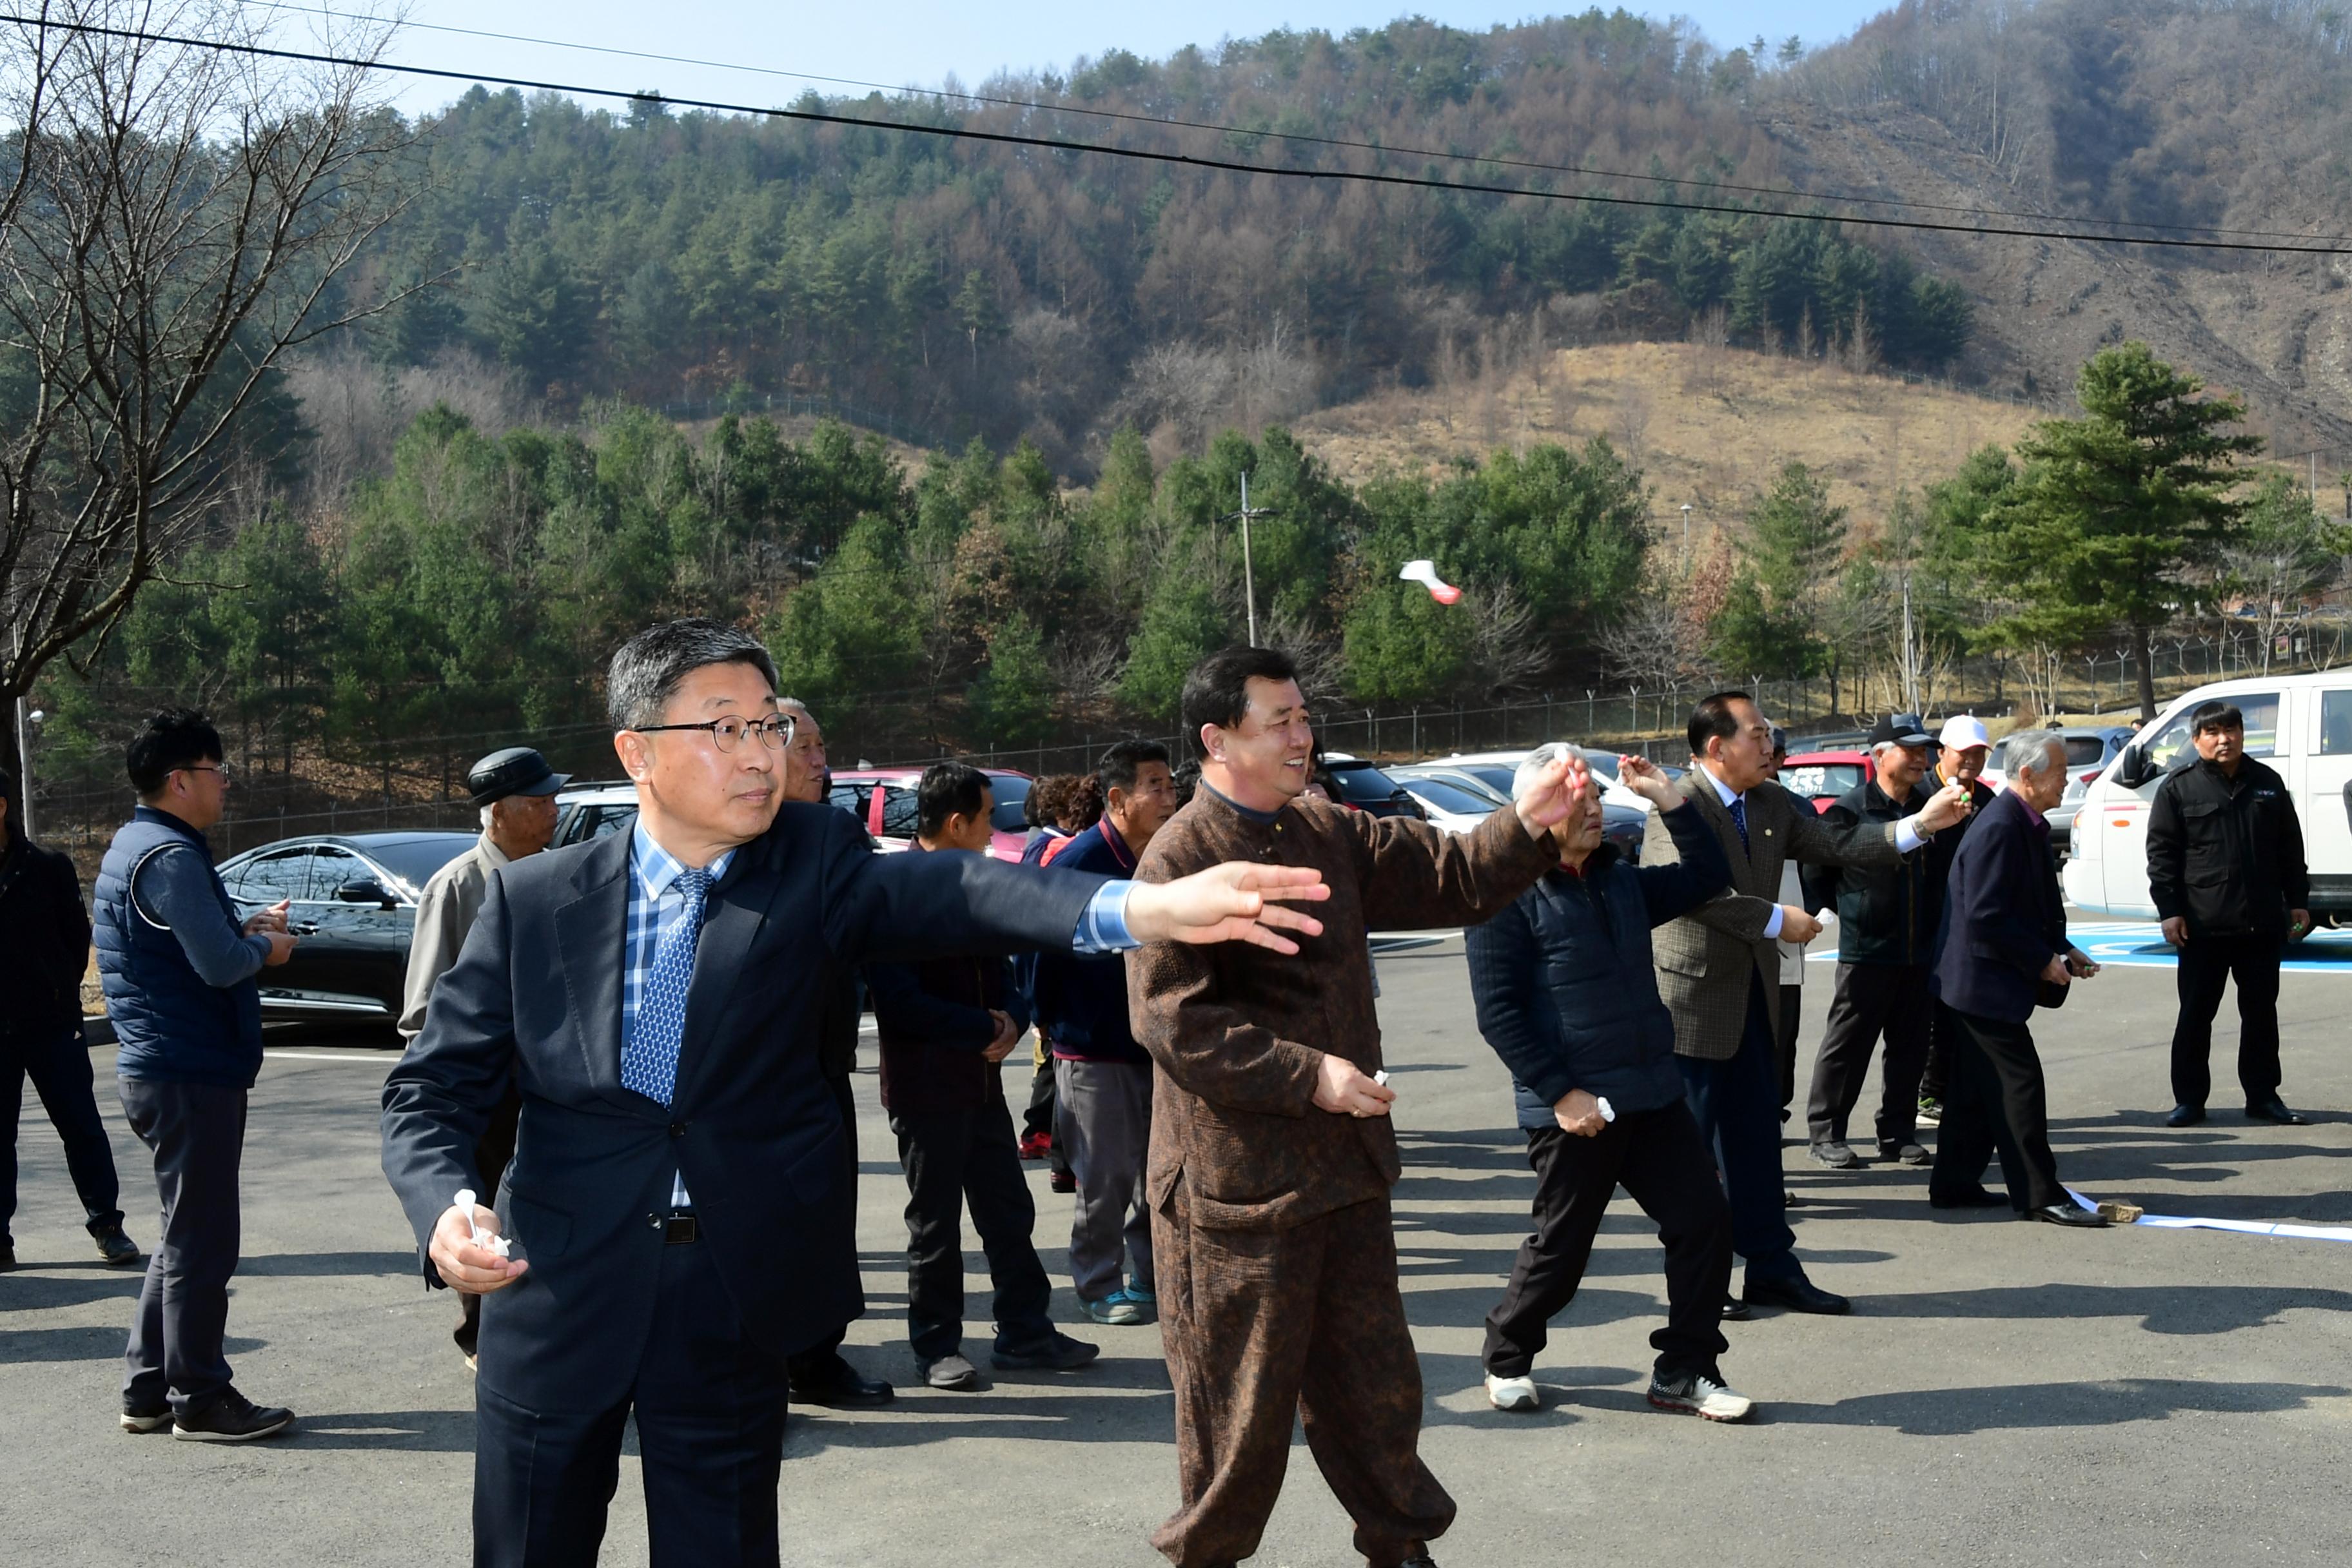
x=1237 y=1032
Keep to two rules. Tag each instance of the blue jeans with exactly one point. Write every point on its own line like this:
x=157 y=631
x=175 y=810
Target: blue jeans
x=1736 y=1104
x=57 y=1061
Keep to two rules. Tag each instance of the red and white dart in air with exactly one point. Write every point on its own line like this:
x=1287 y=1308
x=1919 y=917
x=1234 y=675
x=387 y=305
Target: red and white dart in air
x=1425 y=573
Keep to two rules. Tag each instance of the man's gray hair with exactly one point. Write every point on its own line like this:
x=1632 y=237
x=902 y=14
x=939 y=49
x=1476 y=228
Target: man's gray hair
x=1535 y=762
x=644 y=674
x=796 y=703
x=486 y=815
x=2028 y=752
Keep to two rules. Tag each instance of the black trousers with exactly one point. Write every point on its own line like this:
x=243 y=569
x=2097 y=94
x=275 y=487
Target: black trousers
x=491 y=1153
x=1664 y=1165
x=57 y=1061
x=710 y=1409
x=1936 y=1076
x=1872 y=1000
x=2206 y=964
x=954 y=1158
x=1732 y=1102
x=1999 y=1102
x=196 y=1131
x=1040 y=1116
x=1792 y=1018
x=816 y=1364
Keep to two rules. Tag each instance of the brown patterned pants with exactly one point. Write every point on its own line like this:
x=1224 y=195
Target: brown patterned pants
x=1261 y=1324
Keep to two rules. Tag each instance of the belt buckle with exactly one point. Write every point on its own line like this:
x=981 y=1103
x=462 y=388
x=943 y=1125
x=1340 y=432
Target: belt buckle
x=680 y=1230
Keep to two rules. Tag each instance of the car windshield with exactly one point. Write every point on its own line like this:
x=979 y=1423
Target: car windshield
x=1361 y=784
x=2173 y=745
x=1012 y=791
x=1816 y=780
x=1443 y=796
x=2083 y=751
x=1494 y=775
x=414 y=860
x=1601 y=762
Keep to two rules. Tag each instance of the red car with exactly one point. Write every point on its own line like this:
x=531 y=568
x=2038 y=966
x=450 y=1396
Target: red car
x=1822 y=776
x=884 y=800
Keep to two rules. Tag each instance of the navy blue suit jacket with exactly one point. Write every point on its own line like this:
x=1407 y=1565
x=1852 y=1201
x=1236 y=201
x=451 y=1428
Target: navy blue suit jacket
x=752 y=1124
x=2004 y=918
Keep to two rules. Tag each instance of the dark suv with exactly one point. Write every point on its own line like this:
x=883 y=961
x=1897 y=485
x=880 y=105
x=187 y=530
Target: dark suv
x=1361 y=786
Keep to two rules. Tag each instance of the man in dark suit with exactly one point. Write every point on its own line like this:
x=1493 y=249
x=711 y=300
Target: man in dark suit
x=677 y=1198
x=2003 y=946
x=1719 y=971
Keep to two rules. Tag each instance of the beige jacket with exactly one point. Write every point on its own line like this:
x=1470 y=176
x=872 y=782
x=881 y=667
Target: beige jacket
x=445 y=913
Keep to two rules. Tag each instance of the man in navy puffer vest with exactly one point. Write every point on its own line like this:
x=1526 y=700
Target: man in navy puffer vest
x=1567 y=997
x=177 y=967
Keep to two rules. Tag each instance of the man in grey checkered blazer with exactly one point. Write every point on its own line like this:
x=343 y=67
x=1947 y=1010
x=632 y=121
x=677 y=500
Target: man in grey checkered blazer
x=1719 y=971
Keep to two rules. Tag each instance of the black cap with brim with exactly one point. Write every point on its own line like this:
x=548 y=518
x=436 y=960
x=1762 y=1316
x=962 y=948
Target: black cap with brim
x=517 y=769
x=1900 y=730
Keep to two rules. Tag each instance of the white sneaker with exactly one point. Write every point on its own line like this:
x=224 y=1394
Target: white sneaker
x=1696 y=1394
x=1512 y=1393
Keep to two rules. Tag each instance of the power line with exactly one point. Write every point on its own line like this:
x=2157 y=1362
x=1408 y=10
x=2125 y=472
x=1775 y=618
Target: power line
x=1306 y=139
x=1183 y=160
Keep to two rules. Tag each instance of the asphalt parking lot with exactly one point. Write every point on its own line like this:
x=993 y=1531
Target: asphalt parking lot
x=2004 y=1392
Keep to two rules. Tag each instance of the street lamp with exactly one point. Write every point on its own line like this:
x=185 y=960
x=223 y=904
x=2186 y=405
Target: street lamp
x=1249 y=583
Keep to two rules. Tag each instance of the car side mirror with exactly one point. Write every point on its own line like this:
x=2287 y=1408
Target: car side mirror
x=2130 y=768
x=365 y=891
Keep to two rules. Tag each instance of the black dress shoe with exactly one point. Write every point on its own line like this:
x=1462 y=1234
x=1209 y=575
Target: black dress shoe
x=2066 y=1213
x=2185 y=1115
x=1975 y=1198
x=1798 y=1294
x=1735 y=1310
x=842 y=1387
x=2275 y=1110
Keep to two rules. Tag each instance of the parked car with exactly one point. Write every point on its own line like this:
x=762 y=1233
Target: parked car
x=1822 y=776
x=352 y=897
x=1363 y=787
x=2299 y=724
x=1444 y=803
x=2089 y=753
x=882 y=799
x=1497 y=767
x=1621 y=824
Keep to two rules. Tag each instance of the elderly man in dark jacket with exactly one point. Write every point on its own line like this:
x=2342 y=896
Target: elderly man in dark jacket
x=2003 y=950
x=1567 y=997
x=2226 y=869
x=45 y=932
x=1887 y=918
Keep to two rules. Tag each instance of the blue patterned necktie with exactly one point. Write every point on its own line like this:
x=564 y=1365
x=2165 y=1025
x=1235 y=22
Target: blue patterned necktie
x=1739 y=817
x=649 y=1060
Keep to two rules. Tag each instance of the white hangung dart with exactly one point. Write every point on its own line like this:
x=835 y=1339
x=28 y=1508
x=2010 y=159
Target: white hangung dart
x=1425 y=573
x=490 y=1241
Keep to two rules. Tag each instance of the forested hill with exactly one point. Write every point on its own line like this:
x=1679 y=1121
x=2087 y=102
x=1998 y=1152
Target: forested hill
x=965 y=289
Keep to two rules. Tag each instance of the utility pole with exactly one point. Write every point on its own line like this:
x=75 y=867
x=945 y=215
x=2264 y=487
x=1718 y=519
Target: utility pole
x=1249 y=581
x=1910 y=653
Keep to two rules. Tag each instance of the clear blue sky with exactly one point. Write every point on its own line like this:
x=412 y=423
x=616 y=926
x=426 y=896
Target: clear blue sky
x=922 y=42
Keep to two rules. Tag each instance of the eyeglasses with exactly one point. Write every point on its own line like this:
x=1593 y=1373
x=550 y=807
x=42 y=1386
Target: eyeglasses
x=728 y=734
x=226 y=773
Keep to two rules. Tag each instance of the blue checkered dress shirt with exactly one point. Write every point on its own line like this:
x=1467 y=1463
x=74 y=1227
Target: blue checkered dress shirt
x=656 y=903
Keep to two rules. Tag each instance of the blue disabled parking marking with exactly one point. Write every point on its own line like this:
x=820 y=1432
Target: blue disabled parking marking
x=2140 y=944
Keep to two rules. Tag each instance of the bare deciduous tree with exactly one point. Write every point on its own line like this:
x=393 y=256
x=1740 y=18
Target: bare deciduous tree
x=176 y=220
x=1506 y=653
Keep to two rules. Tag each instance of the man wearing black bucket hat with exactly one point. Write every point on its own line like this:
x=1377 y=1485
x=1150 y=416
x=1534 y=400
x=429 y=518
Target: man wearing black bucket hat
x=515 y=791
x=1887 y=915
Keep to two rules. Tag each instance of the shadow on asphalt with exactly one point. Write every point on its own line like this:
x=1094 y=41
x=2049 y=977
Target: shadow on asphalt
x=85 y=1344
x=2161 y=1308
x=410 y=1431
x=1955 y=1412
x=310 y=1265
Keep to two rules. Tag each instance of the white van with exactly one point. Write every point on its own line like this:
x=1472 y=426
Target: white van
x=2299 y=724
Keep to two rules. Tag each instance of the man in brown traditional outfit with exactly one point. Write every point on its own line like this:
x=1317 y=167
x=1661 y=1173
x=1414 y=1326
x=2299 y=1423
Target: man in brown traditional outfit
x=1272 y=1153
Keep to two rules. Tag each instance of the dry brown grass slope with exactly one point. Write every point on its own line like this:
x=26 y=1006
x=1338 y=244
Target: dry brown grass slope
x=1706 y=426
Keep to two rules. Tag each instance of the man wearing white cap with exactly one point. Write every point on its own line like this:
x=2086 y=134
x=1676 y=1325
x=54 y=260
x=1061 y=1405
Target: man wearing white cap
x=1964 y=746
